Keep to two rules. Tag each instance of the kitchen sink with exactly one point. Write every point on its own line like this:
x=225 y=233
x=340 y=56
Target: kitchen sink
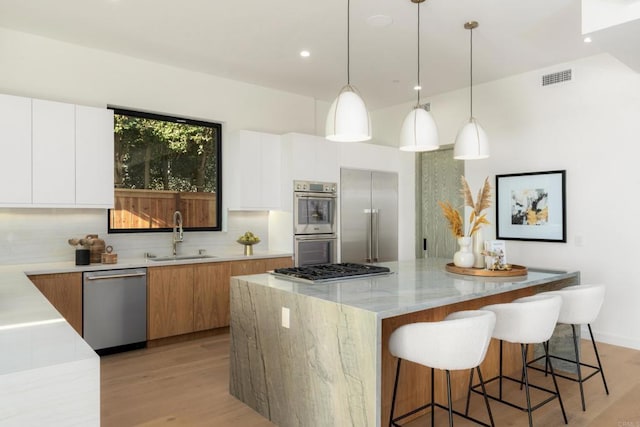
x=180 y=257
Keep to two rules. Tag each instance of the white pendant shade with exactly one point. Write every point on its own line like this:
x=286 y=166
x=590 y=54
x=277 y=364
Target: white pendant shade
x=348 y=119
x=471 y=142
x=419 y=131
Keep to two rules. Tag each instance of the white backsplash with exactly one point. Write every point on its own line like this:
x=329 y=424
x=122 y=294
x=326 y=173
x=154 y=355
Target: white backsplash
x=41 y=235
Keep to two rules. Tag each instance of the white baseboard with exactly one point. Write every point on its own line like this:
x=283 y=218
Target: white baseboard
x=610 y=339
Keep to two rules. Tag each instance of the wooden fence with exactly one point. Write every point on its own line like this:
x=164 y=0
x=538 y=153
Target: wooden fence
x=154 y=209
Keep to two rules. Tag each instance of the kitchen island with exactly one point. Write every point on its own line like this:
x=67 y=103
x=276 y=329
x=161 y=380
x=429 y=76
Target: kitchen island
x=331 y=365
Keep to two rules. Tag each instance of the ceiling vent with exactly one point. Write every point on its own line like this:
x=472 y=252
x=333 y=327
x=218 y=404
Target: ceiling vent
x=426 y=106
x=559 y=77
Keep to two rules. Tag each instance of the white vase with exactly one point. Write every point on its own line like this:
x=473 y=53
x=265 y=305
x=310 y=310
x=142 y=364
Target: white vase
x=464 y=257
x=478 y=247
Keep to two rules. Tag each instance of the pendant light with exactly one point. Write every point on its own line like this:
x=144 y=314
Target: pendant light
x=471 y=142
x=419 y=131
x=348 y=119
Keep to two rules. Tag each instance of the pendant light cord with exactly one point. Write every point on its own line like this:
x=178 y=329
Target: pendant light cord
x=418 y=54
x=471 y=71
x=348 y=43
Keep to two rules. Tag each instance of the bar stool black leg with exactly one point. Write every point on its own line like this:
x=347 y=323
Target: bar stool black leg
x=484 y=394
x=395 y=390
x=526 y=351
x=526 y=382
x=578 y=366
x=433 y=399
x=555 y=383
x=595 y=349
x=466 y=409
x=500 y=379
x=449 y=399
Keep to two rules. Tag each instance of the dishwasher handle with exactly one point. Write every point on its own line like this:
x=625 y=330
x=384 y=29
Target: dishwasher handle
x=115 y=276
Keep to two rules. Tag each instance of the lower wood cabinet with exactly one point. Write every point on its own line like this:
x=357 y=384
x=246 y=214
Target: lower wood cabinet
x=169 y=301
x=257 y=266
x=211 y=296
x=188 y=298
x=283 y=262
x=64 y=292
x=180 y=298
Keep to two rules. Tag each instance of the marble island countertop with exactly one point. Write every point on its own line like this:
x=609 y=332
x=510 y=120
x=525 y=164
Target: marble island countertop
x=296 y=346
x=413 y=285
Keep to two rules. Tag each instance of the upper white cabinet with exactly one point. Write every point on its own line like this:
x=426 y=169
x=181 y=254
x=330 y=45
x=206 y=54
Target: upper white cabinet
x=94 y=157
x=259 y=168
x=15 y=146
x=61 y=154
x=252 y=161
x=54 y=157
x=313 y=158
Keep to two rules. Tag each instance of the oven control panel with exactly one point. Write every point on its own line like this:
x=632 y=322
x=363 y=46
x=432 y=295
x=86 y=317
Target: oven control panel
x=315 y=187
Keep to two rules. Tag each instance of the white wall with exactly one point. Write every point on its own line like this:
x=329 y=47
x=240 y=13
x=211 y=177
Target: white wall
x=589 y=126
x=43 y=68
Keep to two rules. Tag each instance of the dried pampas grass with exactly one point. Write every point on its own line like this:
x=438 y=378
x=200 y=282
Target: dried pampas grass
x=483 y=199
x=476 y=218
x=454 y=218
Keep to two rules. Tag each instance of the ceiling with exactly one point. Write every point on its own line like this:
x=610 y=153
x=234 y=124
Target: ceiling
x=259 y=41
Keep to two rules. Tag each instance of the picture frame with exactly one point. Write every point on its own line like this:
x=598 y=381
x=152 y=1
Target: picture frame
x=531 y=206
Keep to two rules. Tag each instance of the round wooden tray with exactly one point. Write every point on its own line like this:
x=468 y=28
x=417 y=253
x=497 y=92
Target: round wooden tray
x=516 y=270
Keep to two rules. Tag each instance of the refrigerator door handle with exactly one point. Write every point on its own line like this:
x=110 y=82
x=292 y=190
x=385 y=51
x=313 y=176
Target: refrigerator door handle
x=376 y=233
x=369 y=214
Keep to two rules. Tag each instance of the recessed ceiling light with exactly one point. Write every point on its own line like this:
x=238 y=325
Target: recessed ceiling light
x=379 y=21
x=305 y=53
x=587 y=40
x=417 y=87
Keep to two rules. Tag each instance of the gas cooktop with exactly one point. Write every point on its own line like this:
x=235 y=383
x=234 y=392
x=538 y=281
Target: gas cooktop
x=330 y=272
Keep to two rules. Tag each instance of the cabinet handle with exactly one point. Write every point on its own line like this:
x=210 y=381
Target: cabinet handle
x=115 y=276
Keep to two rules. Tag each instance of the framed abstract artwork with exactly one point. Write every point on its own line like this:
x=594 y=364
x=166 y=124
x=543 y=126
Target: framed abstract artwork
x=531 y=206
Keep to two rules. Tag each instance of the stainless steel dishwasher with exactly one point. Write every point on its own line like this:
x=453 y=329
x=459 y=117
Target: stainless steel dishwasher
x=115 y=309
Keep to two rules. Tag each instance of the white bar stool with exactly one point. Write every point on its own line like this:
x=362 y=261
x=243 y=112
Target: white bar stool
x=458 y=342
x=528 y=320
x=580 y=306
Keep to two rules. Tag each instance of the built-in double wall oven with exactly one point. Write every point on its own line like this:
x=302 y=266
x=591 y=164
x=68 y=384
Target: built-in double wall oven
x=314 y=222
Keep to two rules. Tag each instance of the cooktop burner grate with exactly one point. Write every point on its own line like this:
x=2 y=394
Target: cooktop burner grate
x=328 y=272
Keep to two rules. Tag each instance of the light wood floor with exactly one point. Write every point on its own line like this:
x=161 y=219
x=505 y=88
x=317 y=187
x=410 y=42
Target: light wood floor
x=186 y=384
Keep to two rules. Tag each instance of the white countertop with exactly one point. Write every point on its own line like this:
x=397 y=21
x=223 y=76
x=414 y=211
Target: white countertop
x=70 y=267
x=32 y=332
x=414 y=285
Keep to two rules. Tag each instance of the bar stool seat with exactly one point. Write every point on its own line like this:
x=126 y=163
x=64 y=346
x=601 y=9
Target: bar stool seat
x=528 y=320
x=458 y=342
x=580 y=306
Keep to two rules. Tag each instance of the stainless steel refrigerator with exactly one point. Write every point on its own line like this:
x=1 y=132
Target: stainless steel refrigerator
x=368 y=216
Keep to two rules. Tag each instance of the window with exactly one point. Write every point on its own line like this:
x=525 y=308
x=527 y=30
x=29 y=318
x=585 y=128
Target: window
x=162 y=165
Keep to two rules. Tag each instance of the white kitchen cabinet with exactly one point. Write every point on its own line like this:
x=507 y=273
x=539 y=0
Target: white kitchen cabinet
x=61 y=155
x=307 y=158
x=313 y=158
x=54 y=157
x=15 y=146
x=252 y=164
x=94 y=157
